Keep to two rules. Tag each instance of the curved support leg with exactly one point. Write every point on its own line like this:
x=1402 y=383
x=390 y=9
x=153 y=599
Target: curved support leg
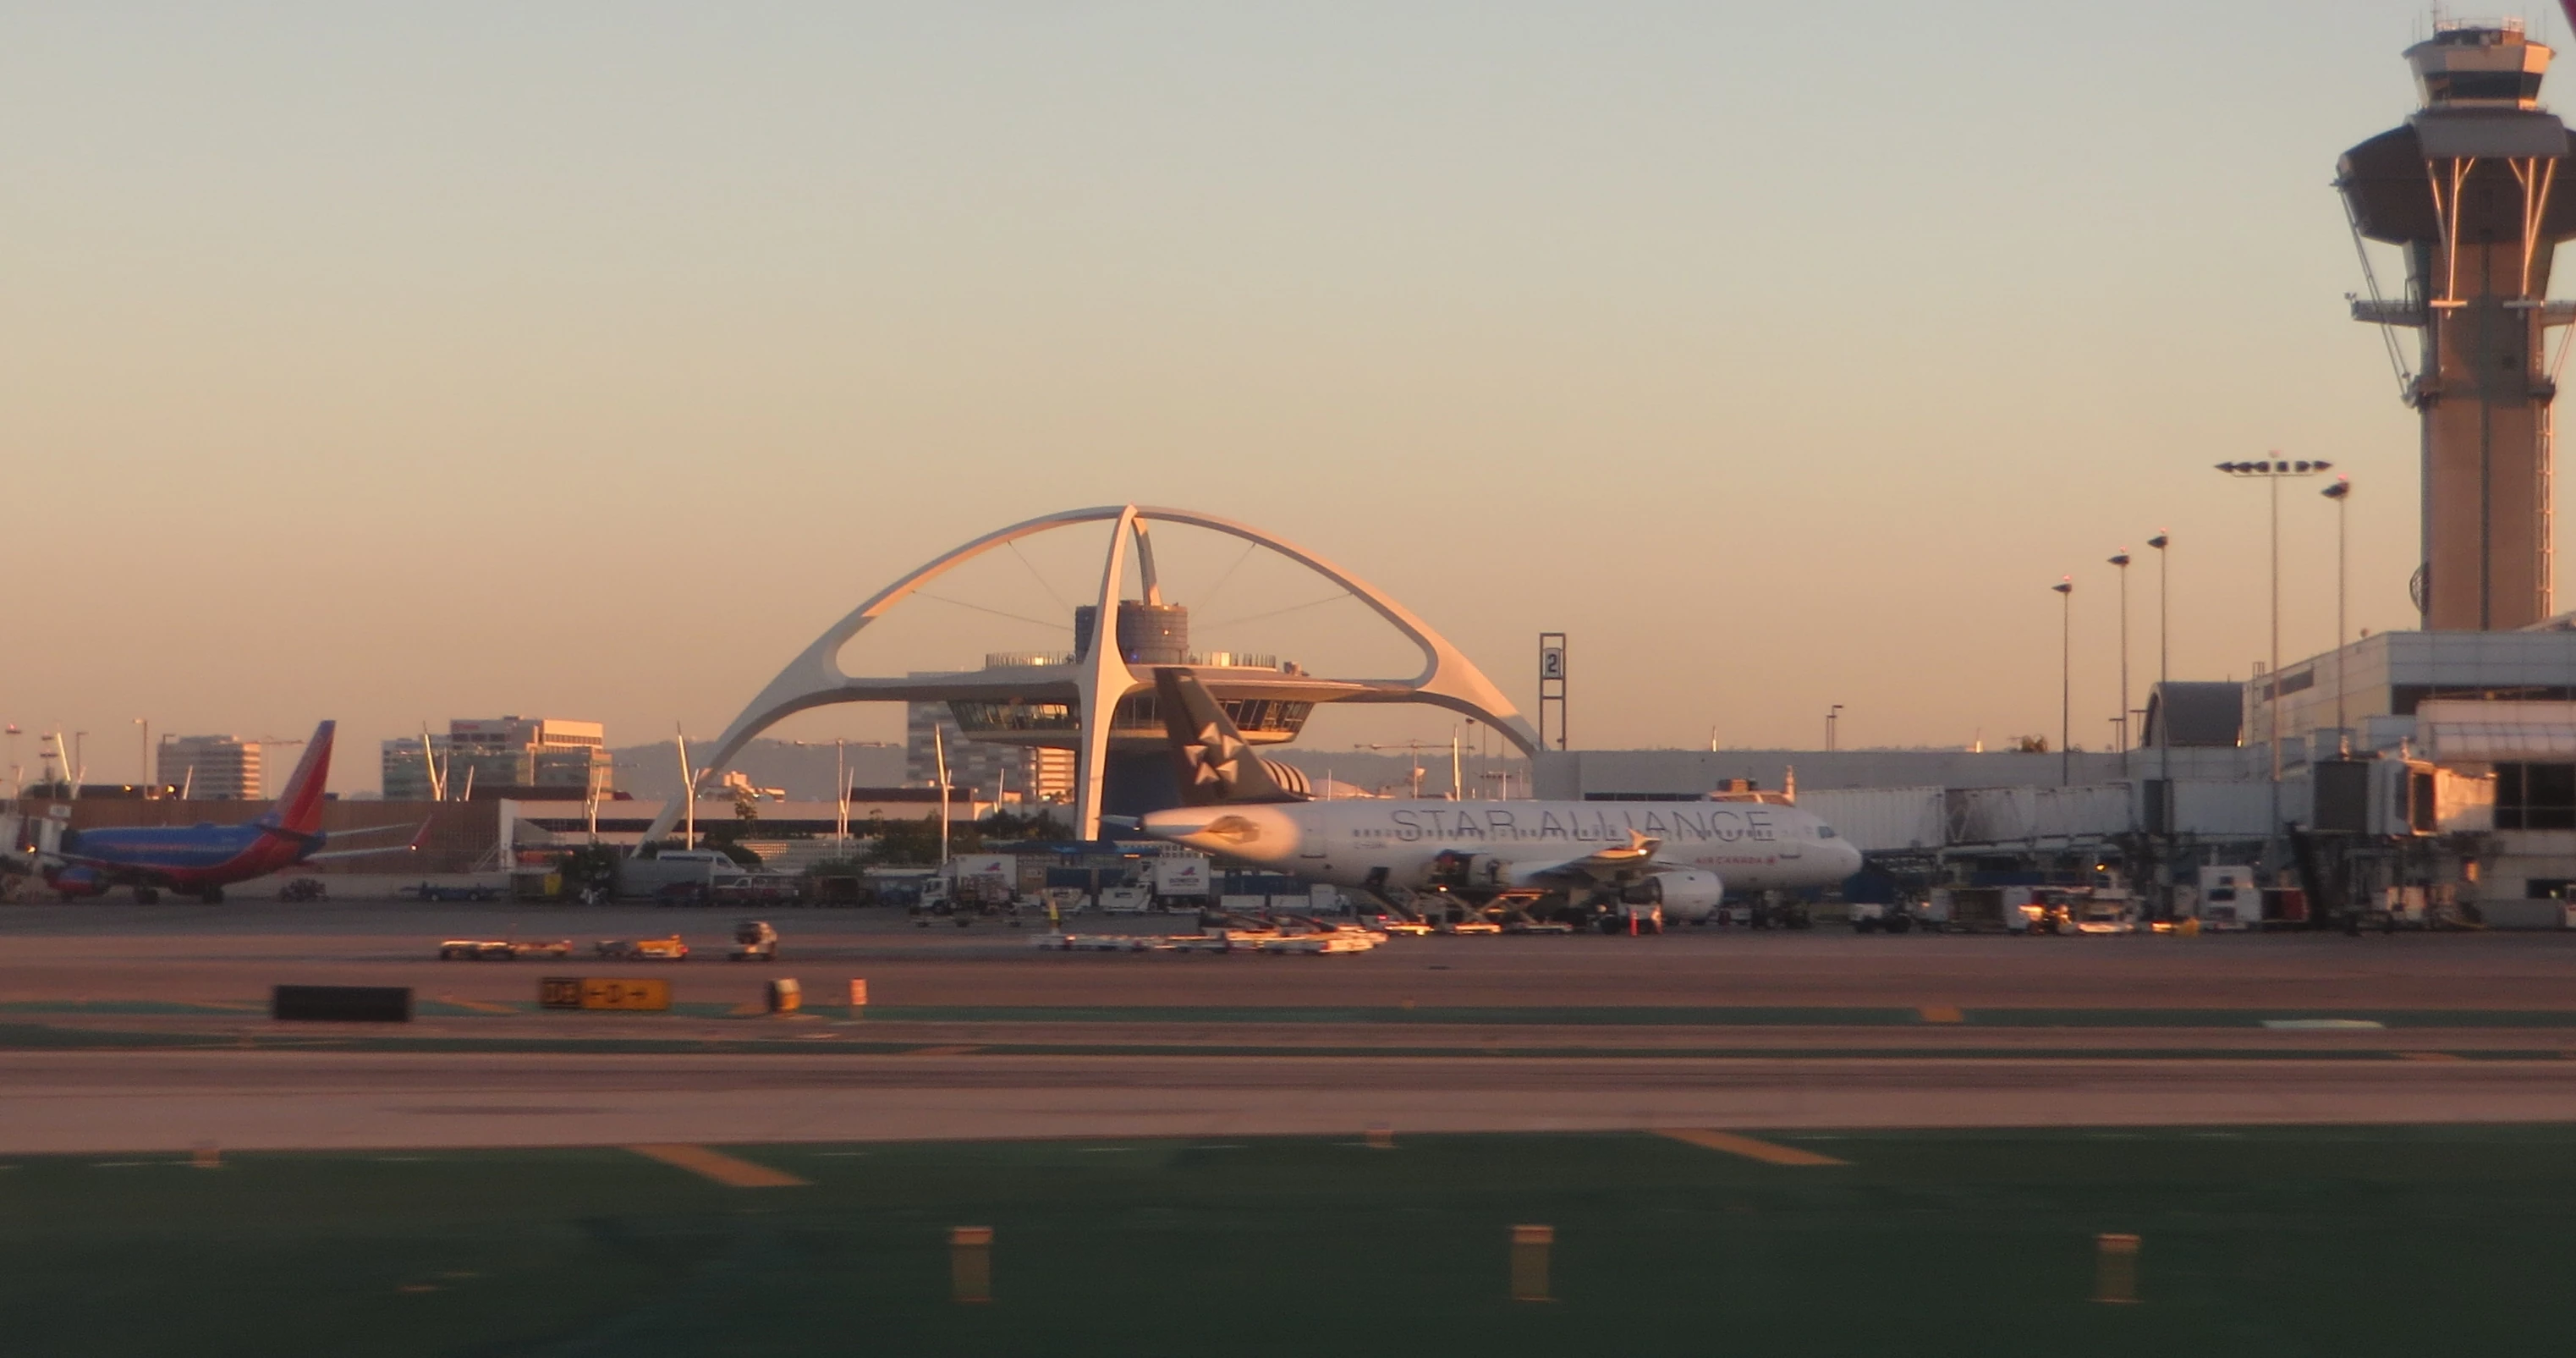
x=1105 y=681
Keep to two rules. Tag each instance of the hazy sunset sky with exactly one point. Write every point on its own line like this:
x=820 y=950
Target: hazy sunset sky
x=396 y=363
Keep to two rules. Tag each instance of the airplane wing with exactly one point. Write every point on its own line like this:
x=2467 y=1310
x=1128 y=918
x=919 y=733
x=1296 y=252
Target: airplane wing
x=378 y=829
x=1638 y=853
x=357 y=853
x=82 y=860
x=413 y=847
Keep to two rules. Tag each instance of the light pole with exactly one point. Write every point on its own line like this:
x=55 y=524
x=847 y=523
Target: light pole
x=2271 y=472
x=840 y=788
x=2120 y=559
x=939 y=752
x=1833 y=721
x=143 y=752
x=2164 y=651
x=2066 y=680
x=2340 y=492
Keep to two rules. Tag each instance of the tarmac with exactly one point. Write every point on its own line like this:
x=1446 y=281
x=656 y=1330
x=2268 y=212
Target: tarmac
x=126 y=1028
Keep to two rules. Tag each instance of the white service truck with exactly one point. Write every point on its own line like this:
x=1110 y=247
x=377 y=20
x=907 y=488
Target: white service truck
x=1182 y=881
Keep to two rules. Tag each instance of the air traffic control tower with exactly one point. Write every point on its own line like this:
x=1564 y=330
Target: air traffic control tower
x=2468 y=188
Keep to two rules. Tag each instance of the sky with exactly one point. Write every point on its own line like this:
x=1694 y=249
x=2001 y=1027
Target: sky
x=395 y=362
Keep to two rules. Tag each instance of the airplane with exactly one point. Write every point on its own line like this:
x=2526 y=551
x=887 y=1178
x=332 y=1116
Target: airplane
x=1609 y=862
x=202 y=859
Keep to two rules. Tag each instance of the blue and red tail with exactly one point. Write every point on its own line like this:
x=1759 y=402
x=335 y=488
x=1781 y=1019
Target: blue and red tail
x=299 y=803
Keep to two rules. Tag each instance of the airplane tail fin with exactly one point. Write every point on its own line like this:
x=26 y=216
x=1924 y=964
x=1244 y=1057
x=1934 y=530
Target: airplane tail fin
x=299 y=803
x=1214 y=763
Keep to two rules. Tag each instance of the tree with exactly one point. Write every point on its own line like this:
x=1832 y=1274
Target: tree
x=592 y=866
x=1040 y=824
x=914 y=843
x=726 y=840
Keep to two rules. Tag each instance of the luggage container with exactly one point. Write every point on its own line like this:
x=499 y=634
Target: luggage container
x=1969 y=909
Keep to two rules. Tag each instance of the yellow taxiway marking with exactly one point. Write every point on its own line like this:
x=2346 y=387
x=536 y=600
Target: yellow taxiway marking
x=728 y=1170
x=1769 y=1152
x=942 y=1051
x=1941 y=1013
x=478 y=1006
x=2428 y=1056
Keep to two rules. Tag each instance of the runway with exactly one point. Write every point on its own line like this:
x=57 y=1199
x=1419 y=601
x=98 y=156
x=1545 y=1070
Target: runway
x=64 y=1102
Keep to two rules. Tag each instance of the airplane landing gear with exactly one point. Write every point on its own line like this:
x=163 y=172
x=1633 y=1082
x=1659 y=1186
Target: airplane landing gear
x=213 y=895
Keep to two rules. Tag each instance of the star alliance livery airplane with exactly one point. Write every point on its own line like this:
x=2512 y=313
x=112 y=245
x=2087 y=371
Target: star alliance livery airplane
x=1591 y=859
x=198 y=860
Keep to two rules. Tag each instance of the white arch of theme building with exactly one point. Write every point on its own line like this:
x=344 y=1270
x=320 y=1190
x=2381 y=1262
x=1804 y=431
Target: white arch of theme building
x=1100 y=679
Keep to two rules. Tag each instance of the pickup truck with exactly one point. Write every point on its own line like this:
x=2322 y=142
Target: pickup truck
x=432 y=891
x=499 y=949
x=643 y=949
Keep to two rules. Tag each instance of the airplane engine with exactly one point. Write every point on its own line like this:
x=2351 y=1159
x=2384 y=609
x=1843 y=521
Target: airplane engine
x=1690 y=895
x=74 y=883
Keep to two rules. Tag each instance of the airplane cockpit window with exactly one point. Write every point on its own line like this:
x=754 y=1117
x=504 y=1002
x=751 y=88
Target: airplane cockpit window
x=1824 y=832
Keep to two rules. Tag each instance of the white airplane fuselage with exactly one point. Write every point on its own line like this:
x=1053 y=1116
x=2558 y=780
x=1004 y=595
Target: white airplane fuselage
x=1752 y=846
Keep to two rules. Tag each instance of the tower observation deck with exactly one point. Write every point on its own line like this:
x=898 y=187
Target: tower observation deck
x=2468 y=189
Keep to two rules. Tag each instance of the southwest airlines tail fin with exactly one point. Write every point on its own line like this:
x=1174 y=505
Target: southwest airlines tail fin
x=1215 y=765
x=299 y=803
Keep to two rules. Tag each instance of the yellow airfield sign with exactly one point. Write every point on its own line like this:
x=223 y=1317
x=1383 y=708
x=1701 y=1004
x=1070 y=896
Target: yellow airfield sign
x=604 y=992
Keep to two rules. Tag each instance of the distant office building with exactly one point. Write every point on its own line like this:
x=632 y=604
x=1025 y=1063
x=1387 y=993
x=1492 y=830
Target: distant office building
x=212 y=768
x=499 y=753
x=1050 y=772
x=981 y=768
